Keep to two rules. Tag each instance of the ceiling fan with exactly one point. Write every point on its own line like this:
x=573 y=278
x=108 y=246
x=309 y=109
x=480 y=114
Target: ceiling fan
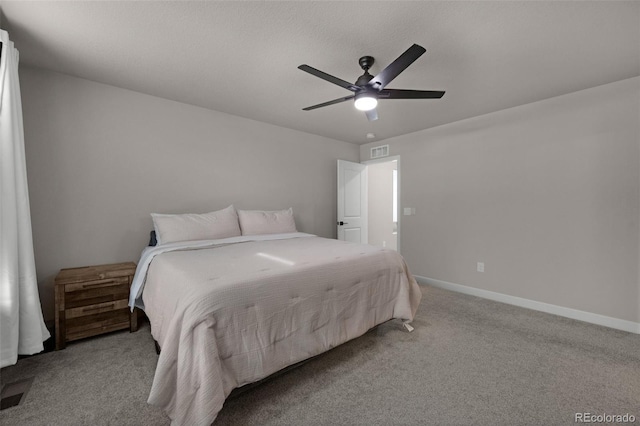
x=368 y=89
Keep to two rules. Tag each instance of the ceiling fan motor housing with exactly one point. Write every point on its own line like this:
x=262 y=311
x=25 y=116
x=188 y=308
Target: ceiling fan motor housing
x=364 y=79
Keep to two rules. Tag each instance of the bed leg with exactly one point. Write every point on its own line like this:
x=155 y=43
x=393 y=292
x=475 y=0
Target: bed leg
x=408 y=326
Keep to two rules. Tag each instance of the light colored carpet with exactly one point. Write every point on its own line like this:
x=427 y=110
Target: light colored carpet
x=469 y=362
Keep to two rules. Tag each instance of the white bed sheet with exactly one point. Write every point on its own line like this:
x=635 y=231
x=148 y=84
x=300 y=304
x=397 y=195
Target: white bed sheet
x=231 y=313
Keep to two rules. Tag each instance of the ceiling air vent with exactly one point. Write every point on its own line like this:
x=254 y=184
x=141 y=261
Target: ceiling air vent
x=380 y=151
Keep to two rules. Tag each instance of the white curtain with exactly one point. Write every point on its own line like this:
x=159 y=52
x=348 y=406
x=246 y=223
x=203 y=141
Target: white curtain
x=22 y=328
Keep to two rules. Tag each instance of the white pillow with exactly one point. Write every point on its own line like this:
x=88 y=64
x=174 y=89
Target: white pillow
x=256 y=222
x=186 y=227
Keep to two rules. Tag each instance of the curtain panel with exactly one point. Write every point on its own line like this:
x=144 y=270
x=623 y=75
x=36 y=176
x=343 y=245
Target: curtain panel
x=22 y=328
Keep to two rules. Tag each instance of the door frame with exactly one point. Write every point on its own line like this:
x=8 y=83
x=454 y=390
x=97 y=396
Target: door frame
x=399 y=193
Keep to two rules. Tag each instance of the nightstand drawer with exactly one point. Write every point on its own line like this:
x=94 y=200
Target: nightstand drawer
x=101 y=293
x=98 y=308
x=96 y=284
x=91 y=325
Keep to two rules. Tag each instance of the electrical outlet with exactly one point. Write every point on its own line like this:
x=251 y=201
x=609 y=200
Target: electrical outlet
x=480 y=266
x=407 y=211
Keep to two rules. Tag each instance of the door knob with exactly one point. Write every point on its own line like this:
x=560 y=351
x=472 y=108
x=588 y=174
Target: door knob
x=342 y=223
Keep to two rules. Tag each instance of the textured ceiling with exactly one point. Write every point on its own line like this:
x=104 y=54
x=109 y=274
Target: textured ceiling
x=241 y=57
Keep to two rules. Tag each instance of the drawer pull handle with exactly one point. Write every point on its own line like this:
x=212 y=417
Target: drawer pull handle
x=97 y=284
x=95 y=308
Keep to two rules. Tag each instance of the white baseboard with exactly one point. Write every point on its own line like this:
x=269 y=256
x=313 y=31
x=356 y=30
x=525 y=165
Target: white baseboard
x=618 y=324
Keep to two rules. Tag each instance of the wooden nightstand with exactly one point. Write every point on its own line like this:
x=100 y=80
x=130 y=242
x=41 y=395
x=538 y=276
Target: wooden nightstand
x=93 y=300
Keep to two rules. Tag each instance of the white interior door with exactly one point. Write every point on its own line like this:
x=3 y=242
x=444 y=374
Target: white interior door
x=352 y=202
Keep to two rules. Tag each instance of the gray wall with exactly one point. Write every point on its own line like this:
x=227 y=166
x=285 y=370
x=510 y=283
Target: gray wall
x=546 y=194
x=100 y=159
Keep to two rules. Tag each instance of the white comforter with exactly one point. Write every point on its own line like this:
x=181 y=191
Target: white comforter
x=230 y=313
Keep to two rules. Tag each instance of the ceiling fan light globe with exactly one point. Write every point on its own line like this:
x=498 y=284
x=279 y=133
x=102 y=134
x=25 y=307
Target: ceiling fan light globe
x=365 y=103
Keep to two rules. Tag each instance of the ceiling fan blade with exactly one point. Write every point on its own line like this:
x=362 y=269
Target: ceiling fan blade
x=330 y=78
x=410 y=94
x=335 y=101
x=372 y=114
x=396 y=67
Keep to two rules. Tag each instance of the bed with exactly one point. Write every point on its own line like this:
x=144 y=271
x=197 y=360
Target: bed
x=231 y=311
